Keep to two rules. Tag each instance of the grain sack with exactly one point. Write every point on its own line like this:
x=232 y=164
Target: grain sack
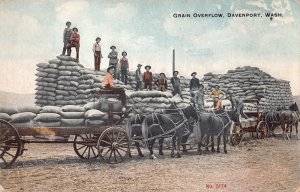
x=47 y=117
x=42 y=65
x=22 y=117
x=69 y=63
x=73 y=108
x=51 y=75
x=55 y=61
x=41 y=74
x=5 y=116
x=33 y=109
x=65 y=73
x=114 y=117
x=72 y=122
x=49 y=80
x=77 y=74
x=90 y=105
x=8 y=110
x=49 y=124
x=94 y=114
x=50 y=109
x=65 y=58
x=94 y=123
x=71 y=115
x=24 y=124
x=116 y=106
x=52 y=89
x=60 y=92
x=72 y=93
x=52 y=65
x=66 y=83
x=50 y=70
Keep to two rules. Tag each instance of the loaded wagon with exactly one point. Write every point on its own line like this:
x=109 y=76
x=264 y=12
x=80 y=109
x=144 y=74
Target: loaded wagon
x=256 y=124
x=110 y=142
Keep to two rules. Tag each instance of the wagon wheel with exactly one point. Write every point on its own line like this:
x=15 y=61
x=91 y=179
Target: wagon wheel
x=85 y=146
x=262 y=130
x=10 y=144
x=113 y=145
x=237 y=135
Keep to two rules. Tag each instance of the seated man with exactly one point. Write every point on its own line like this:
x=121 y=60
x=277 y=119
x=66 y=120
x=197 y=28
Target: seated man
x=237 y=105
x=218 y=107
x=108 y=83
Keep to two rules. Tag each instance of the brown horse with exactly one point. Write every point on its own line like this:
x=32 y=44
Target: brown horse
x=288 y=118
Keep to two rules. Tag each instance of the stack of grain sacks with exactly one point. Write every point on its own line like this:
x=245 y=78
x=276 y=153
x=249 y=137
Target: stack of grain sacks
x=48 y=117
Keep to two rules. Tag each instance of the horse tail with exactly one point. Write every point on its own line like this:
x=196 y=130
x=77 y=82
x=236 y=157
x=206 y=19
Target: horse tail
x=145 y=129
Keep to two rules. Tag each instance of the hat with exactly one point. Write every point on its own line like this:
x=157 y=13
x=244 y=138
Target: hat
x=75 y=28
x=68 y=22
x=139 y=65
x=110 y=67
x=111 y=47
x=175 y=72
x=217 y=86
x=162 y=74
x=147 y=66
x=194 y=73
x=98 y=38
x=124 y=52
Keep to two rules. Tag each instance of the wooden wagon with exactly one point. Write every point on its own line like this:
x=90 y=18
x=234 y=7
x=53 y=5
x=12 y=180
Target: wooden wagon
x=256 y=125
x=110 y=142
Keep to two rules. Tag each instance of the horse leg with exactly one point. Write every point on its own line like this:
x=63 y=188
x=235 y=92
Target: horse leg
x=178 y=138
x=212 y=144
x=207 y=142
x=173 y=146
x=137 y=144
x=225 y=143
x=161 y=142
x=200 y=145
x=184 y=140
x=296 y=124
x=218 y=143
x=150 y=147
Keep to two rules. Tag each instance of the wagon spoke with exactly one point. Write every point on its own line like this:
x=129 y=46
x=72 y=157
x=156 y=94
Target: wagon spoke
x=5 y=132
x=9 y=154
x=119 y=154
x=89 y=152
x=105 y=142
x=118 y=136
x=121 y=139
x=109 y=138
x=93 y=152
x=7 y=140
x=81 y=147
x=109 y=149
x=110 y=155
x=84 y=151
x=123 y=150
x=115 y=156
x=4 y=160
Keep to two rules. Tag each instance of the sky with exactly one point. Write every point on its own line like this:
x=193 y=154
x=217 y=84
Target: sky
x=31 y=32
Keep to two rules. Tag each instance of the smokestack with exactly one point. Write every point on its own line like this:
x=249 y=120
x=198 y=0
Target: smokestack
x=173 y=69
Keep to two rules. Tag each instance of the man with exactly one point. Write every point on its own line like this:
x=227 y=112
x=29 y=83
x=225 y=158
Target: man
x=237 y=105
x=124 y=67
x=217 y=93
x=113 y=59
x=108 y=83
x=218 y=107
x=138 y=77
x=66 y=37
x=199 y=98
x=75 y=39
x=97 y=54
x=162 y=82
x=194 y=83
x=176 y=84
x=148 y=79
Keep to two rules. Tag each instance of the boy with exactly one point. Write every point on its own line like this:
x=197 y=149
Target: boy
x=75 y=39
x=66 y=37
x=148 y=79
x=124 y=67
x=162 y=82
x=138 y=77
x=97 y=54
x=113 y=59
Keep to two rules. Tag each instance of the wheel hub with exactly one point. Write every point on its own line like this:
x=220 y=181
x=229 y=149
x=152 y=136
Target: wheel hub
x=115 y=145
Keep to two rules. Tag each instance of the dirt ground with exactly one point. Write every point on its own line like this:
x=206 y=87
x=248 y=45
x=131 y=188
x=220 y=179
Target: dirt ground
x=255 y=165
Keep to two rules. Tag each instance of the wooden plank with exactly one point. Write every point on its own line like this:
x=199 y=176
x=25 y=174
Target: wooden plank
x=59 y=131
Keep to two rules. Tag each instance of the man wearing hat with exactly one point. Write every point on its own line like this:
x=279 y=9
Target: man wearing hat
x=217 y=93
x=162 y=83
x=237 y=105
x=75 y=39
x=124 y=65
x=148 y=79
x=97 y=54
x=113 y=59
x=107 y=83
x=138 y=77
x=194 y=83
x=199 y=98
x=66 y=37
x=176 y=84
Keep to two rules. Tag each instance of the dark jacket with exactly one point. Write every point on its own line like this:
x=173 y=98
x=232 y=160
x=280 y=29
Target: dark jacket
x=194 y=83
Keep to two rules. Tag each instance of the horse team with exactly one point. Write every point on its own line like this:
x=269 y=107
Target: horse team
x=180 y=123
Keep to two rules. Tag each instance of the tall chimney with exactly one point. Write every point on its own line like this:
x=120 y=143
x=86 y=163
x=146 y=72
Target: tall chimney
x=173 y=69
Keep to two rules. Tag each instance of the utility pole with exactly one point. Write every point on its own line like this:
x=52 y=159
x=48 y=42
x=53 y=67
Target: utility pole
x=173 y=69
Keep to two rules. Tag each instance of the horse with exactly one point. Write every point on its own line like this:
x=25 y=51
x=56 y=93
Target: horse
x=288 y=118
x=134 y=128
x=272 y=119
x=172 y=124
x=211 y=125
